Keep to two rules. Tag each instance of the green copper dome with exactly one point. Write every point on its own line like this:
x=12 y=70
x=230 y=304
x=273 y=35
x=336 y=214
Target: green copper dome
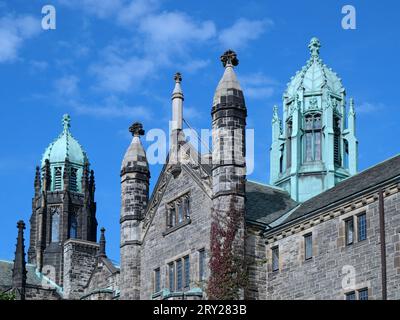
x=315 y=75
x=65 y=146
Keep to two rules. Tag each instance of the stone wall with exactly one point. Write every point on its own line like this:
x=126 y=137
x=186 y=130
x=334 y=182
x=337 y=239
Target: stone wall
x=329 y=273
x=160 y=248
x=79 y=262
x=39 y=293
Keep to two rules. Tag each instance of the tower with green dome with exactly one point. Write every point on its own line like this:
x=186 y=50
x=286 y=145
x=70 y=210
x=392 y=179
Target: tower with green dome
x=314 y=146
x=63 y=206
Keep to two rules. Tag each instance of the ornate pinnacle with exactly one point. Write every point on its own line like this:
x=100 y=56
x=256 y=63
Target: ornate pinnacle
x=102 y=242
x=314 y=47
x=66 y=121
x=178 y=77
x=275 y=116
x=229 y=58
x=136 y=129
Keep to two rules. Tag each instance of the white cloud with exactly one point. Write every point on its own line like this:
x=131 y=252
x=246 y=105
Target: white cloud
x=368 y=107
x=14 y=30
x=258 y=85
x=67 y=85
x=112 y=107
x=243 y=31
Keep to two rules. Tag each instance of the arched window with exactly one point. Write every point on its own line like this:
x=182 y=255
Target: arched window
x=289 y=127
x=73 y=226
x=336 y=143
x=57 y=178
x=55 y=225
x=312 y=137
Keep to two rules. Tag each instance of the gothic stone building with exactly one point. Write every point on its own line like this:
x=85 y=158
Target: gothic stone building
x=320 y=230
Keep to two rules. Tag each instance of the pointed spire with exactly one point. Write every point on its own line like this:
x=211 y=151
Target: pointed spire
x=102 y=242
x=92 y=184
x=314 y=47
x=177 y=104
x=229 y=80
x=37 y=183
x=19 y=268
x=135 y=156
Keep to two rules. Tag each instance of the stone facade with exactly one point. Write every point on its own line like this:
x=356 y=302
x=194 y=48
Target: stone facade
x=333 y=263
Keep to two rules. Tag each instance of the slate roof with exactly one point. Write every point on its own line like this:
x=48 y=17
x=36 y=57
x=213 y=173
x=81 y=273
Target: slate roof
x=369 y=178
x=264 y=203
x=6 y=274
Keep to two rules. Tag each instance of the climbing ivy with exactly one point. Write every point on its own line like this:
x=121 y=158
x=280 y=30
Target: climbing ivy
x=227 y=268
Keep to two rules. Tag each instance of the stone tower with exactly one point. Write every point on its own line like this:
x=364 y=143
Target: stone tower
x=63 y=206
x=313 y=148
x=228 y=156
x=135 y=176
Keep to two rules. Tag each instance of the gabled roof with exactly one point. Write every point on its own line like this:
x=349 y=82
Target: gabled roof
x=265 y=204
x=367 y=179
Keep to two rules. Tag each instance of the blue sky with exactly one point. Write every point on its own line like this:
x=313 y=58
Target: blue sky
x=111 y=62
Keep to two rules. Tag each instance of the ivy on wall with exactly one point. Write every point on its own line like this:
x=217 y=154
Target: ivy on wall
x=227 y=269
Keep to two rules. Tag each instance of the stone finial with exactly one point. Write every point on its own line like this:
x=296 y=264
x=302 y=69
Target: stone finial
x=229 y=58
x=314 y=47
x=136 y=129
x=178 y=77
x=275 y=116
x=352 y=110
x=102 y=242
x=19 y=268
x=66 y=121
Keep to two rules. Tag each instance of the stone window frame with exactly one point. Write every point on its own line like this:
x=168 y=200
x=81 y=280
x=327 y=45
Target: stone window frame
x=175 y=205
x=308 y=235
x=347 y=221
x=273 y=249
x=53 y=211
x=363 y=213
x=173 y=262
x=155 y=272
x=356 y=292
x=201 y=269
x=314 y=131
x=354 y=214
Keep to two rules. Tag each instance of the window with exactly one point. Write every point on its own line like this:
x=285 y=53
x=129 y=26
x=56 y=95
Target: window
x=171 y=277
x=73 y=226
x=202 y=258
x=178 y=211
x=308 y=246
x=55 y=225
x=312 y=137
x=157 y=280
x=349 y=226
x=57 y=178
x=275 y=259
x=351 y=295
x=289 y=127
x=336 y=141
x=362 y=227
x=72 y=180
x=363 y=294
x=186 y=265
x=179 y=275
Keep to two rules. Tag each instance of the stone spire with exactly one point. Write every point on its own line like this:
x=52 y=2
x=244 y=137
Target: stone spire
x=177 y=103
x=102 y=242
x=19 y=269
